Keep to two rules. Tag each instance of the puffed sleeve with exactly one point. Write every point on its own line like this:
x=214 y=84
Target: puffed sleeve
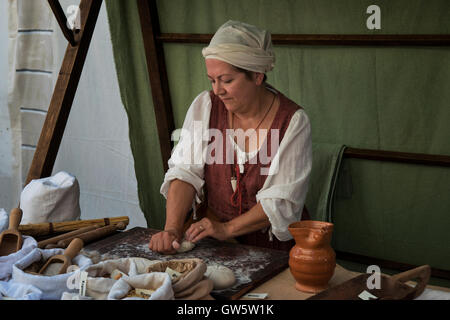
x=283 y=194
x=186 y=162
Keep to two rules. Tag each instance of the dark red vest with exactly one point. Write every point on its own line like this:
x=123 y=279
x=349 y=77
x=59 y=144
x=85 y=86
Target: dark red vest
x=217 y=175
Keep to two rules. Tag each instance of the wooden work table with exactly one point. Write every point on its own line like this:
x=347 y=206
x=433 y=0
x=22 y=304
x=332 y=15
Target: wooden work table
x=281 y=286
x=258 y=270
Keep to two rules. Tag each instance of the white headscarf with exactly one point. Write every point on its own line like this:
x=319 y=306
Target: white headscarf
x=242 y=45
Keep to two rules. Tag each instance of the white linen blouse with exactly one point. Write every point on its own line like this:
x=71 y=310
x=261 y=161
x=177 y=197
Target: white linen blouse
x=283 y=194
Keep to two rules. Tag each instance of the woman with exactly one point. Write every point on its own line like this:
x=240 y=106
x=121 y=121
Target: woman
x=260 y=144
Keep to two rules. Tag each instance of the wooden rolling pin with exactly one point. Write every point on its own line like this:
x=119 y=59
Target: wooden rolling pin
x=54 y=240
x=93 y=235
x=47 y=228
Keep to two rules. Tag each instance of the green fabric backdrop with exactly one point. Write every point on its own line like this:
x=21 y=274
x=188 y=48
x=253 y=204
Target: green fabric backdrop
x=387 y=98
x=129 y=55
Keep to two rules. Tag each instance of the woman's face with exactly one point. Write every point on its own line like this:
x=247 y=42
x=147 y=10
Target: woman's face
x=234 y=88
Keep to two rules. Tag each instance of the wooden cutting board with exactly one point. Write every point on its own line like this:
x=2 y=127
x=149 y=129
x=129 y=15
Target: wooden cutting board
x=390 y=287
x=251 y=265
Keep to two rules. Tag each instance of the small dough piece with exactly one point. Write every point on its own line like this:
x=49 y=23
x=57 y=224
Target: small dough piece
x=186 y=246
x=116 y=274
x=172 y=273
x=221 y=276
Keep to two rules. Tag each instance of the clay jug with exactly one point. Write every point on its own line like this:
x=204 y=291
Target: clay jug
x=311 y=259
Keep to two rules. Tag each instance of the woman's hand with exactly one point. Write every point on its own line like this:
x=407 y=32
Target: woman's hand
x=166 y=242
x=207 y=227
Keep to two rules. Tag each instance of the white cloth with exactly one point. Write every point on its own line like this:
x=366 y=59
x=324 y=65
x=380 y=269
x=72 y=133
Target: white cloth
x=158 y=281
x=51 y=199
x=283 y=193
x=19 y=291
x=7 y=262
x=4 y=220
x=242 y=45
x=52 y=287
x=98 y=286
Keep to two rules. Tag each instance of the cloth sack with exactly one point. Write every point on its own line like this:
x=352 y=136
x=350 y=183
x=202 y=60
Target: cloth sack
x=52 y=287
x=19 y=291
x=99 y=283
x=158 y=281
x=199 y=291
x=7 y=262
x=187 y=285
x=51 y=199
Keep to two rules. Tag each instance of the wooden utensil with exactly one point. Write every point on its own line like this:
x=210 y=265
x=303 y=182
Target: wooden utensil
x=71 y=235
x=93 y=235
x=48 y=228
x=11 y=240
x=66 y=258
x=391 y=287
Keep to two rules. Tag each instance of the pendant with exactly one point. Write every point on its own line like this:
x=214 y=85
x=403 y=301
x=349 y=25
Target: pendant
x=233 y=183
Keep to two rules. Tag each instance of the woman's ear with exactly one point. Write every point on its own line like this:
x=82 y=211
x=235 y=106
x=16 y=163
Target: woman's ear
x=259 y=78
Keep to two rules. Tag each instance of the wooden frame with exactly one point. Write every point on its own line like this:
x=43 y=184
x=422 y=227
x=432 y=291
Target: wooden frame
x=64 y=92
x=157 y=39
x=62 y=21
x=162 y=100
x=325 y=39
x=157 y=73
x=153 y=39
x=402 y=157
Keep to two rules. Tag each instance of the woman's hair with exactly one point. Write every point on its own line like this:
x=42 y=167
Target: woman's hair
x=249 y=73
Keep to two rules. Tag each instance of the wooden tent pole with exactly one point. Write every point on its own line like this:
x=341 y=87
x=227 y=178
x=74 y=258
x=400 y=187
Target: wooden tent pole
x=156 y=66
x=63 y=94
x=62 y=21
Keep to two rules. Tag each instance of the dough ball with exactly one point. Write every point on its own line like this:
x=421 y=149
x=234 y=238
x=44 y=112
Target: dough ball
x=221 y=276
x=186 y=246
x=116 y=274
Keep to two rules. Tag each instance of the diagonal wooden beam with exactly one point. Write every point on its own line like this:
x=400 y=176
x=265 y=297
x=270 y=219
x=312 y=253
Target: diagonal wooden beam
x=156 y=67
x=62 y=21
x=63 y=94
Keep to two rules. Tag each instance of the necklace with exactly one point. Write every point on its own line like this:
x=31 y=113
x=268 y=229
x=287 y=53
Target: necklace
x=236 y=173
